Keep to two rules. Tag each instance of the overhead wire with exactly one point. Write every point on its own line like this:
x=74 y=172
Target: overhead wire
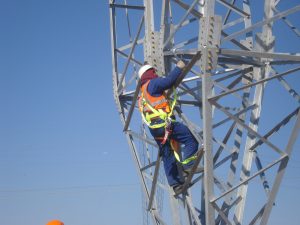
x=57 y=189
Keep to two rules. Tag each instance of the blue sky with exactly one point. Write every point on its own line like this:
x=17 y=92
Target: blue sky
x=62 y=151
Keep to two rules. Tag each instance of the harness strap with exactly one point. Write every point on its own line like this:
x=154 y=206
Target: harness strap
x=175 y=147
x=156 y=113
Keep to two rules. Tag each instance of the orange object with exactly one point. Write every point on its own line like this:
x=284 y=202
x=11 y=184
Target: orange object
x=175 y=145
x=159 y=102
x=55 y=222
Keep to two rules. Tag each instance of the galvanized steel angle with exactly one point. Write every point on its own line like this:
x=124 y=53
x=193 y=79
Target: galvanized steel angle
x=261 y=23
x=185 y=43
x=188 y=103
x=139 y=136
x=233 y=23
x=126 y=56
x=215 y=98
x=127 y=46
x=192 y=209
x=120 y=87
x=191 y=7
x=209 y=42
x=220 y=143
x=244 y=110
x=292 y=91
x=223 y=160
x=225 y=208
x=148 y=166
x=187 y=68
x=150 y=177
x=259 y=55
x=257 y=216
x=283 y=157
x=221 y=213
x=189 y=91
x=220 y=184
x=154 y=182
x=158 y=218
x=230 y=86
x=126 y=6
x=235 y=73
x=262 y=176
x=276 y=128
x=228 y=13
x=225 y=140
x=194 y=12
x=128 y=119
x=281 y=171
x=249 y=129
x=288 y=23
x=234 y=8
x=235 y=42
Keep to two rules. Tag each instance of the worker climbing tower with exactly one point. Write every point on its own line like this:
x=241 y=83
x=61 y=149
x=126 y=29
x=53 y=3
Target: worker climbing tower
x=238 y=95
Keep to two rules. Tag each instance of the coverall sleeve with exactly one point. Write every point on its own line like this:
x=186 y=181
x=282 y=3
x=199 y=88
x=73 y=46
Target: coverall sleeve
x=158 y=85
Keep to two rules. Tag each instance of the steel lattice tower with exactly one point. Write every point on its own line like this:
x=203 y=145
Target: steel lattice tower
x=236 y=70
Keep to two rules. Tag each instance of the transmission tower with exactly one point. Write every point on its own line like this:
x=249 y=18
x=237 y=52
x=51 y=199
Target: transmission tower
x=238 y=95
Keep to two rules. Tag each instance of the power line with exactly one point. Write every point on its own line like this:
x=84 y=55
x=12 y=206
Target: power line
x=114 y=186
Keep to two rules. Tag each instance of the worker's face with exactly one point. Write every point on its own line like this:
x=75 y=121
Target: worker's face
x=153 y=70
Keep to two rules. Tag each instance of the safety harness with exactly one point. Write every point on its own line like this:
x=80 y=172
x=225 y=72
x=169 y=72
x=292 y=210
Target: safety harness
x=149 y=113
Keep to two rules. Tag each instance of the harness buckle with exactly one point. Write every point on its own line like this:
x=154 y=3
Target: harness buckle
x=168 y=130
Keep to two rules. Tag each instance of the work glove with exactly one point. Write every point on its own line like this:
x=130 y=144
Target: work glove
x=180 y=64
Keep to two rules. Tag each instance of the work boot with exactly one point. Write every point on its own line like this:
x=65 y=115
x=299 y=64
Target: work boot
x=177 y=188
x=187 y=171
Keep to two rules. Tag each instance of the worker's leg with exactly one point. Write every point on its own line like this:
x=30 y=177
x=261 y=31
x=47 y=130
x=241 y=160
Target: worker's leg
x=182 y=134
x=170 y=165
x=168 y=158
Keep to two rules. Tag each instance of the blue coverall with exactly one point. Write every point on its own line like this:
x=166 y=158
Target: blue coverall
x=180 y=132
